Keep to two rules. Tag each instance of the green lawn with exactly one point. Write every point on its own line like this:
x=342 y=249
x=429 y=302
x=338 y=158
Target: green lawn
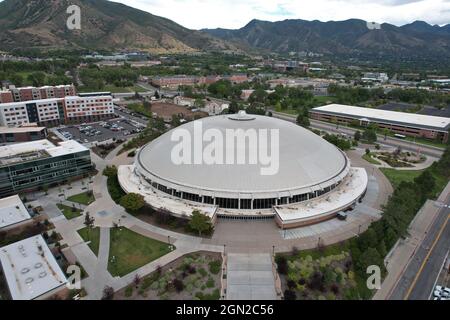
x=132 y=251
x=325 y=99
x=92 y=235
x=113 y=89
x=371 y=160
x=69 y=212
x=82 y=198
x=398 y=176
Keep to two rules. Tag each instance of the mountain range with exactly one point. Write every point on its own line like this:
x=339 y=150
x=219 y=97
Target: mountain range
x=345 y=37
x=104 y=25
x=115 y=26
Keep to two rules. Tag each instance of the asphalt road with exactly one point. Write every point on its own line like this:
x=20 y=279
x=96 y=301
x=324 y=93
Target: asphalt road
x=419 y=277
x=405 y=145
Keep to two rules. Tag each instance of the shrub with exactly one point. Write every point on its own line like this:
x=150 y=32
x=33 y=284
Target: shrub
x=146 y=283
x=334 y=288
x=129 y=291
x=202 y=272
x=282 y=264
x=210 y=283
x=316 y=282
x=291 y=284
x=178 y=285
x=215 y=266
x=290 y=295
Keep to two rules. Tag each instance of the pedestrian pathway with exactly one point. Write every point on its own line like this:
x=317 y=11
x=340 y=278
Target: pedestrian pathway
x=250 y=277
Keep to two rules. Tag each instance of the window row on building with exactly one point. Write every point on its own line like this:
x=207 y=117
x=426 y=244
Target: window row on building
x=32 y=170
x=14 y=94
x=245 y=204
x=56 y=111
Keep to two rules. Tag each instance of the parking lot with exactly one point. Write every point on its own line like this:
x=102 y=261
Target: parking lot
x=101 y=131
x=126 y=113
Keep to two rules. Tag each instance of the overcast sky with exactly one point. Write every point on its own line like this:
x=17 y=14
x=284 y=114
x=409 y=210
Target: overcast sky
x=234 y=14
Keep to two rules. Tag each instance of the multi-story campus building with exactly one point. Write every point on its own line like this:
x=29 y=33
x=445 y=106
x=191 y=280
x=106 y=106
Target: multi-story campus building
x=32 y=165
x=14 y=94
x=408 y=124
x=22 y=134
x=55 y=111
x=183 y=80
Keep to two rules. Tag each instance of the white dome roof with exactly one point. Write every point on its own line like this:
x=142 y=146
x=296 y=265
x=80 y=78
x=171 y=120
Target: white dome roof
x=306 y=162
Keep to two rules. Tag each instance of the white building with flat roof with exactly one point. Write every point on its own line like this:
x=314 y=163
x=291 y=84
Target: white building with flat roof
x=31 y=270
x=13 y=213
x=410 y=124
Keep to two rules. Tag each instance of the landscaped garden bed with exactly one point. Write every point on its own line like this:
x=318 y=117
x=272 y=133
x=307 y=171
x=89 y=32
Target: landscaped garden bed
x=321 y=274
x=399 y=159
x=192 y=277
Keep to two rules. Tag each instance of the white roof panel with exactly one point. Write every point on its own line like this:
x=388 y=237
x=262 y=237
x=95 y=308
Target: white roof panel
x=404 y=118
x=30 y=268
x=12 y=211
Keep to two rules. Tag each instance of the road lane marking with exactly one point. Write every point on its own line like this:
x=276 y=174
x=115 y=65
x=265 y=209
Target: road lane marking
x=426 y=259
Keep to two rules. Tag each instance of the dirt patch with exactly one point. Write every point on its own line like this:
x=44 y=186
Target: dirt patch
x=168 y=110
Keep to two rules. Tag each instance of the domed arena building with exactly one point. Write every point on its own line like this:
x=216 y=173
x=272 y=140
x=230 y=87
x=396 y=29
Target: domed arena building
x=278 y=170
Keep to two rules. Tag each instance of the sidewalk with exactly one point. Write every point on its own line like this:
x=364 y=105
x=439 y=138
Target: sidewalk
x=250 y=276
x=403 y=251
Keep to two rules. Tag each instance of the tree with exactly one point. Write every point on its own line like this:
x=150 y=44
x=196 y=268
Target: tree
x=88 y=220
x=176 y=121
x=89 y=223
x=132 y=202
x=110 y=171
x=426 y=183
x=259 y=95
x=37 y=78
x=370 y=135
x=199 y=103
x=200 y=222
x=385 y=133
x=357 y=136
x=369 y=257
x=16 y=79
x=303 y=121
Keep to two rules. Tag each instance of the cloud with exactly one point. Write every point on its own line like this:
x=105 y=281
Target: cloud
x=197 y=14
